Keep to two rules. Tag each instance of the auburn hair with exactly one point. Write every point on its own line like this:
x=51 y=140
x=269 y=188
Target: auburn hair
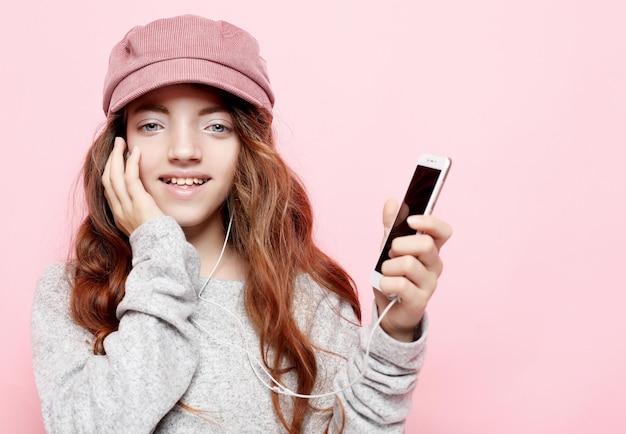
x=272 y=230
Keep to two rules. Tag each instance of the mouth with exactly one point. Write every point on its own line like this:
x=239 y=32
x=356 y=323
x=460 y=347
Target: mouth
x=185 y=182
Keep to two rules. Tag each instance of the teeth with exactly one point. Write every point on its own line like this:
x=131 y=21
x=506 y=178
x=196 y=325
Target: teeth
x=184 y=181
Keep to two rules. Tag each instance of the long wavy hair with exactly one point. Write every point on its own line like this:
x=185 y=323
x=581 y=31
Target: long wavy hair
x=272 y=230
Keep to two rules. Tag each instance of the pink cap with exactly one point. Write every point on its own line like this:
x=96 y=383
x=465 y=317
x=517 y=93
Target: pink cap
x=186 y=49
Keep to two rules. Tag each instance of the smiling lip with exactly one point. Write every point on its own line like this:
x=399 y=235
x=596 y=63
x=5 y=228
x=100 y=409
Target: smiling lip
x=184 y=185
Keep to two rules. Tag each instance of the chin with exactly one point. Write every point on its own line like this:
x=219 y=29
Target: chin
x=193 y=215
x=191 y=219
x=187 y=221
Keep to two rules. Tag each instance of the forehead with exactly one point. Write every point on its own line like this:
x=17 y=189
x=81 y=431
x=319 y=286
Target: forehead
x=188 y=93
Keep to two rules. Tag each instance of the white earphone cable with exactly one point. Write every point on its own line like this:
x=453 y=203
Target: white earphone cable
x=278 y=387
x=219 y=258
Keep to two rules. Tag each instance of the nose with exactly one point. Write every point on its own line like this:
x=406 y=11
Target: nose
x=183 y=146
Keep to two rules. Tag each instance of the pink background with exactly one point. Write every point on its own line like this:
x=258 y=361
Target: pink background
x=527 y=97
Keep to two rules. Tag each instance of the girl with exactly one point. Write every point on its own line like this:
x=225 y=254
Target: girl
x=197 y=300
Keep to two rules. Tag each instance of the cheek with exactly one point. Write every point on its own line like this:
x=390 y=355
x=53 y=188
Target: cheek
x=136 y=140
x=232 y=166
x=223 y=159
x=148 y=160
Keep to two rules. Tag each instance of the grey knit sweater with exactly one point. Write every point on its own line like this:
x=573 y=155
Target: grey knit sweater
x=172 y=345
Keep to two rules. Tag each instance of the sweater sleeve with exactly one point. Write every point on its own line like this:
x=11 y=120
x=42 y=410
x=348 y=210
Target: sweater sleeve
x=149 y=360
x=381 y=400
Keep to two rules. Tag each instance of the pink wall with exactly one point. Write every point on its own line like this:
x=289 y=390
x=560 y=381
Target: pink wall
x=527 y=97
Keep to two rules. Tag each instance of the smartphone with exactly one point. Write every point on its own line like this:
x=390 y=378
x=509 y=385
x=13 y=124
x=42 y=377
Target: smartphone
x=419 y=199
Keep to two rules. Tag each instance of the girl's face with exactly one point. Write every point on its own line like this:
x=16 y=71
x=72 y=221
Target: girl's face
x=189 y=151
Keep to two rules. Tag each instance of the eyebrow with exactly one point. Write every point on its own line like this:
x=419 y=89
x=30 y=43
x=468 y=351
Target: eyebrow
x=151 y=108
x=148 y=107
x=215 y=109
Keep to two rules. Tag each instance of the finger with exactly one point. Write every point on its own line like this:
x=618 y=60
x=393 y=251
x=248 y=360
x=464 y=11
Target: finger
x=390 y=209
x=414 y=271
x=412 y=301
x=134 y=186
x=439 y=230
x=420 y=246
x=407 y=291
x=143 y=204
x=109 y=192
x=117 y=174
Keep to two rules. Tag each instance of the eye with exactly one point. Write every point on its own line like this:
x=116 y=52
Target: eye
x=150 y=127
x=218 y=128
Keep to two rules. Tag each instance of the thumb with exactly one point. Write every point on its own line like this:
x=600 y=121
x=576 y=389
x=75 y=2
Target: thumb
x=390 y=209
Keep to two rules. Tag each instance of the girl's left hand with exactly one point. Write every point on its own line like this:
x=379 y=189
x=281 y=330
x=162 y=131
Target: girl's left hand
x=411 y=273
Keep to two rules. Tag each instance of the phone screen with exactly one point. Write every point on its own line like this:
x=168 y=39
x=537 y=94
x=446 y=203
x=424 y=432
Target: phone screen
x=415 y=202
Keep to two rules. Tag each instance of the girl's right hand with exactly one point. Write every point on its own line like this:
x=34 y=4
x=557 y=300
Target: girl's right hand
x=129 y=201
